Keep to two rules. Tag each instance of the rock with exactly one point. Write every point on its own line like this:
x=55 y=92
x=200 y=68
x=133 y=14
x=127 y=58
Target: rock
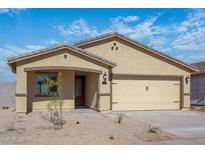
x=5 y=107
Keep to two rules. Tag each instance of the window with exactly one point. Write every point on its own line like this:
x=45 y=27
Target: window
x=42 y=83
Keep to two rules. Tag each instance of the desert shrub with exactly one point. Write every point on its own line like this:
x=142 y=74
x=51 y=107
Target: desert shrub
x=11 y=128
x=56 y=102
x=111 y=137
x=120 y=117
x=153 y=129
x=5 y=107
x=12 y=97
x=77 y=122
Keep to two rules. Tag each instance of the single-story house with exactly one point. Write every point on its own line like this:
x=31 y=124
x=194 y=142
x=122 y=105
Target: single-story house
x=198 y=84
x=108 y=72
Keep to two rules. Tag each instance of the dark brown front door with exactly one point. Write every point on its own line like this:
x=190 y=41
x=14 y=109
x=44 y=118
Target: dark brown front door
x=79 y=91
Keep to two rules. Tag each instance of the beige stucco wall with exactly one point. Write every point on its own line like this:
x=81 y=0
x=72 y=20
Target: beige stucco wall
x=57 y=59
x=134 y=60
x=104 y=104
x=26 y=81
x=21 y=88
x=21 y=104
x=91 y=90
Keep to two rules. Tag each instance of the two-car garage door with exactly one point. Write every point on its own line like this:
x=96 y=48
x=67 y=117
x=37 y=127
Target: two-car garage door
x=145 y=93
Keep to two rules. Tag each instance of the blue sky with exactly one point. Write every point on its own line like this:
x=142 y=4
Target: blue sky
x=179 y=33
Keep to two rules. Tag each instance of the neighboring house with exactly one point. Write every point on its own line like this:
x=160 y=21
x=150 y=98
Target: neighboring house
x=109 y=72
x=198 y=84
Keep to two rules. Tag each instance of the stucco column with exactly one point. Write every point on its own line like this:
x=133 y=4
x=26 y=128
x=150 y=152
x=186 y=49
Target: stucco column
x=68 y=87
x=186 y=94
x=104 y=92
x=21 y=91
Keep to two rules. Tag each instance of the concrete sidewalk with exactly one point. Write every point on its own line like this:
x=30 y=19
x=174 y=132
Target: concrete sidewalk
x=189 y=125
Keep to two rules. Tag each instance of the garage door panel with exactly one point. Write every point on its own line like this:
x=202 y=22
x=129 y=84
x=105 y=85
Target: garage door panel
x=169 y=94
x=145 y=106
x=130 y=99
x=128 y=91
x=146 y=94
x=129 y=94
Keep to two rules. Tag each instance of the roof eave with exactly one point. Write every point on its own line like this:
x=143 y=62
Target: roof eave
x=11 y=67
x=42 y=52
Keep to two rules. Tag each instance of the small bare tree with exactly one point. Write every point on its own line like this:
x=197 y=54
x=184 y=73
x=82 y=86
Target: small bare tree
x=56 y=102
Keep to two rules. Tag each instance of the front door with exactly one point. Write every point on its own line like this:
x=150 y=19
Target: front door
x=79 y=91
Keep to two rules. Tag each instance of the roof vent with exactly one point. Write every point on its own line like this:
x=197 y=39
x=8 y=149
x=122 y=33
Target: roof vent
x=65 y=56
x=114 y=47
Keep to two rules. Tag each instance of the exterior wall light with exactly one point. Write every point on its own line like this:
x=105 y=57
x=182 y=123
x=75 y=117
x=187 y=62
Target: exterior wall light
x=104 y=78
x=187 y=79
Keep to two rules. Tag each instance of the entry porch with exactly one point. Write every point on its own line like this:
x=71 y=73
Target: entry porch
x=81 y=88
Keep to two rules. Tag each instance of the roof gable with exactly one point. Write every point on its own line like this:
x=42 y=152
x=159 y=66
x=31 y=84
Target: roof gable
x=13 y=60
x=92 y=41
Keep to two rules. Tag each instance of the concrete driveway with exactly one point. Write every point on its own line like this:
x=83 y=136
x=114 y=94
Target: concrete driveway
x=189 y=125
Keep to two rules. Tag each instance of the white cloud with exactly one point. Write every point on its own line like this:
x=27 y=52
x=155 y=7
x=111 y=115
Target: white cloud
x=77 y=28
x=12 y=50
x=136 y=28
x=34 y=47
x=190 y=57
x=132 y=26
x=3 y=65
x=157 y=41
x=124 y=19
x=194 y=19
x=4 y=10
x=144 y=29
x=173 y=38
x=11 y=11
x=51 y=42
x=187 y=35
x=191 y=32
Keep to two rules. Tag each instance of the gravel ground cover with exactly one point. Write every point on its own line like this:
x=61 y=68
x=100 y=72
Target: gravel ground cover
x=93 y=128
